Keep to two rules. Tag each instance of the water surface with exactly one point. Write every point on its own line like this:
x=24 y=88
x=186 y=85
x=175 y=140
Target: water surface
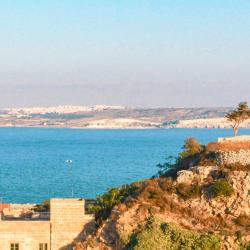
x=33 y=161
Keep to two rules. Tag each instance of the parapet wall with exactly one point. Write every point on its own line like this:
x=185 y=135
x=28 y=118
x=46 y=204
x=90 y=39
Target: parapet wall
x=240 y=138
x=231 y=157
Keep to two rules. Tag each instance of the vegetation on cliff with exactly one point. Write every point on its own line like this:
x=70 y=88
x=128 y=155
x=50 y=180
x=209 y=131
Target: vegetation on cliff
x=158 y=234
x=191 y=204
x=104 y=203
x=222 y=188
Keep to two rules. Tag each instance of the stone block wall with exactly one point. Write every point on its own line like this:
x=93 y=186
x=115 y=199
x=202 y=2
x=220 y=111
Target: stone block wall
x=231 y=157
x=240 y=138
x=27 y=233
x=67 y=219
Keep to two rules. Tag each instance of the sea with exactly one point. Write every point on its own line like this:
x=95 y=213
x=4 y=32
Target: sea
x=41 y=163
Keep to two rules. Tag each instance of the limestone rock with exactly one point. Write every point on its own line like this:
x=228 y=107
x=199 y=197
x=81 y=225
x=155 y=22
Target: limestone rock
x=199 y=173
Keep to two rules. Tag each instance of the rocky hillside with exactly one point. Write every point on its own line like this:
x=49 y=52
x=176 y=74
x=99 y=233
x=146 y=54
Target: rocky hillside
x=102 y=116
x=196 y=202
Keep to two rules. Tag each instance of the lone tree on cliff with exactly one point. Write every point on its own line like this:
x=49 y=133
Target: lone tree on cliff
x=239 y=115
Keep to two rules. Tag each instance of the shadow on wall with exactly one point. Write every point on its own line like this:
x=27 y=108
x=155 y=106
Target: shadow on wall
x=88 y=229
x=109 y=235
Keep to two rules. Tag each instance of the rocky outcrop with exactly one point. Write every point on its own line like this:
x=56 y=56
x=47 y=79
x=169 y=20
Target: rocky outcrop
x=194 y=206
x=198 y=174
x=237 y=204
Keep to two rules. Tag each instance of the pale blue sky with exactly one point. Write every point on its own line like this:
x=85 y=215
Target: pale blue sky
x=128 y=52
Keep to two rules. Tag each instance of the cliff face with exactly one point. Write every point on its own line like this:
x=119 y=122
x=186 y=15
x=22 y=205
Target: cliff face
x=231 y=207
x=204 y=207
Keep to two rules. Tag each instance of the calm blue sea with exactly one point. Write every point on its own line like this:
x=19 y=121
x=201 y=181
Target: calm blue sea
x=33 y=161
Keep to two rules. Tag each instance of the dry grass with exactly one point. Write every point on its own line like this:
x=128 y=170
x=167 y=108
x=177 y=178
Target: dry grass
x=228 y=146
x=167 y=184
x=243 y=220
x=236 y=167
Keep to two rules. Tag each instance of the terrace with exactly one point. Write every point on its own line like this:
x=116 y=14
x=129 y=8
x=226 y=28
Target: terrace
x=28 y=212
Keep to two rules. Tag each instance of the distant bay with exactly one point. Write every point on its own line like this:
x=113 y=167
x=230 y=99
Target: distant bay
x=34 y=162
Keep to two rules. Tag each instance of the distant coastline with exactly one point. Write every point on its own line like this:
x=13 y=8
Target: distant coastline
x=114 y=117
x=184 y=124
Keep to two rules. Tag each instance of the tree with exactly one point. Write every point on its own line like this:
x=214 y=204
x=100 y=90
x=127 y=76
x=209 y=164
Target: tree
x=238 y=116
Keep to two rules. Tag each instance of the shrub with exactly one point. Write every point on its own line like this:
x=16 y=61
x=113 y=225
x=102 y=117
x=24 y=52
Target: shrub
x=219 y=174
x=161 y=235
x=222 y=188
x=104 y=203
x=187 y=191
x=155 y=196
x=168 y=168
x=239 y=235
x=208 y=158
x=167 y=184
x=237 y=167
x=191 y=155
x=191 y=147
x=245 y=246
x=173 y=165
x=44 y=207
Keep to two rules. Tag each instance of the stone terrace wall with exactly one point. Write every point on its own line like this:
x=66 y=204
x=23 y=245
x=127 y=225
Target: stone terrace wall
x=240 y=138
x=231 y=157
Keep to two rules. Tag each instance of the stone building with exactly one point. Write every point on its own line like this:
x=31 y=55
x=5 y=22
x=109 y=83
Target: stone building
x=65 y=223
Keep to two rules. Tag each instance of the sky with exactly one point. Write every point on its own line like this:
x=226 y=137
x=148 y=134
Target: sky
x=138 y=53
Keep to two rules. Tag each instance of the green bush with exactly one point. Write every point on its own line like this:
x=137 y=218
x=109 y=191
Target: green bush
x=104 y=203
x=245 y=246
x=44 y=207
x=160 y=235
x=222 y=188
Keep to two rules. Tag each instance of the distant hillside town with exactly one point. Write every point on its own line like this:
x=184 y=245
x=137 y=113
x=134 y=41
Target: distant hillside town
x=105 y=116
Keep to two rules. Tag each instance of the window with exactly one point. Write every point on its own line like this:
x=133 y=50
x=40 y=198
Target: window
x=14 y=246
x=43 y=246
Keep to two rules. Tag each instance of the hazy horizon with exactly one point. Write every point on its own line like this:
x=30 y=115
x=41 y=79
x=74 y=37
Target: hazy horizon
x=130 y=53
